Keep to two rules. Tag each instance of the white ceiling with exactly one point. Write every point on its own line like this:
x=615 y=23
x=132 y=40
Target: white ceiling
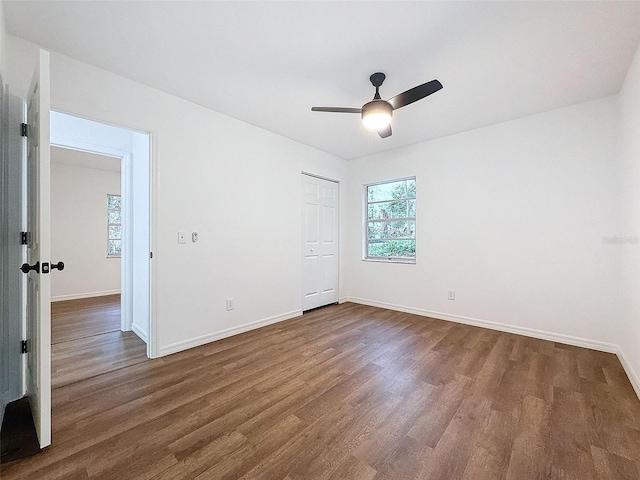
x=79 y=158
x=268 y=63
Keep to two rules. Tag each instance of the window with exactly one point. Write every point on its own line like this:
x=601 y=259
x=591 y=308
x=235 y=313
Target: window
x=114 y=225
x=390 y=224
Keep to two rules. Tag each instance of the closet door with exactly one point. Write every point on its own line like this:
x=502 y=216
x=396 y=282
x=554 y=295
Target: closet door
x=319 y=242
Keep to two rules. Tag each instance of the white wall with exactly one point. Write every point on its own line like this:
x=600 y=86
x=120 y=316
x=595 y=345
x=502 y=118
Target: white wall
x=2 y=39
x=235 y=184
x=139 y=196
x=511 y=217
x=79 y=231
x=629 y=99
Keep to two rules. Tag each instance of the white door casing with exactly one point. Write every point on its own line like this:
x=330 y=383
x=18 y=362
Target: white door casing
x=38 y=297
x=319 y=242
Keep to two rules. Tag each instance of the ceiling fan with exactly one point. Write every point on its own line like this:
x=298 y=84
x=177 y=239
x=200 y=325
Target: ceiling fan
x=376 y=114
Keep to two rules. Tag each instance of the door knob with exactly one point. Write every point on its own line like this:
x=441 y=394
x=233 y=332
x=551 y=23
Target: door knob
x=26 y=268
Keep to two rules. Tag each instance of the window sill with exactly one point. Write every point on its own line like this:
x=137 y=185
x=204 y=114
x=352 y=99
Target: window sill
x=114 y=256
x=409 y=261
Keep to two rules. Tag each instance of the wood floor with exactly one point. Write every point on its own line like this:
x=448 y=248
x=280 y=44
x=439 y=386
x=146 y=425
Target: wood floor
x=87 y=317
x=351 y=392
x=87 y=341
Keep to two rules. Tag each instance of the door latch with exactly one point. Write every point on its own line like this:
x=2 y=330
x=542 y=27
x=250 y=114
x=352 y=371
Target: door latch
x=46 y=267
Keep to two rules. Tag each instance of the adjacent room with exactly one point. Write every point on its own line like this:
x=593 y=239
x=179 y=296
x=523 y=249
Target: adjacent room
x=86 y=219
x=382 y=240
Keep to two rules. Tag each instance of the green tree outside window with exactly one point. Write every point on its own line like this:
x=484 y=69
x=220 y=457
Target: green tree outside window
x=391 y=220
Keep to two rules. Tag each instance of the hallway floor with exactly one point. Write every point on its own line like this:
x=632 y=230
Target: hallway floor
x=87 y=341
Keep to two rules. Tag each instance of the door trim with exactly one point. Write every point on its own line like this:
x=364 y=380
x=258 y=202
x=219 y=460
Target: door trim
x=320 y=177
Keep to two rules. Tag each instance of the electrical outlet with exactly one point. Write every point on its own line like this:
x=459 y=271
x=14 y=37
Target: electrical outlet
x=451 y=294
x=229 y=304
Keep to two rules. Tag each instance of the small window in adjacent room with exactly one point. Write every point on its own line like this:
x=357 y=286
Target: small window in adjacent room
x=390 y=221
x=114 y=225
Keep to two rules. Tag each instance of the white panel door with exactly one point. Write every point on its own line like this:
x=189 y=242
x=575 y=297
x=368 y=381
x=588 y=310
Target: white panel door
x=319 y=242
x=38 y=371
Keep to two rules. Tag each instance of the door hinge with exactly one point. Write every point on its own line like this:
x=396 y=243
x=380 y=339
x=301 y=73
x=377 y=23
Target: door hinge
x=23 y=129
x=24 y=238
x=24 y=346
x=150 y=254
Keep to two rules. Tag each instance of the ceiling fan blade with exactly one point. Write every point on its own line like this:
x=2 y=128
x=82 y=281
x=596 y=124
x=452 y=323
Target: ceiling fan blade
x=414 y=94
x=336 y=109
x=385 y=133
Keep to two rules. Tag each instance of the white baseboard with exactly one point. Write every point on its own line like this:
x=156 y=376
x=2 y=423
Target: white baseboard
x=78 y=296
x=633 y=377
x=229 y=332
x=503 y=327
x=138 y=331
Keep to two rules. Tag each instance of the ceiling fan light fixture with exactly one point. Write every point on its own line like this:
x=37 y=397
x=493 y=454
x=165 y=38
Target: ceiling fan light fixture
x=376 y=115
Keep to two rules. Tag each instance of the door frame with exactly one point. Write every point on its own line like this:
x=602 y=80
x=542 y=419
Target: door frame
x=127 y=175
x=126 y=303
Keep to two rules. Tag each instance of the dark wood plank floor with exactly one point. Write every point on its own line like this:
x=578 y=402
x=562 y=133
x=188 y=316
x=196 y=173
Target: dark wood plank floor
x=86 y=317
x=351 y=392
x=87 y=341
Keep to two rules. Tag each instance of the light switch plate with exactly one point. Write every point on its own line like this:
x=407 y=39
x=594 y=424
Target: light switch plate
x=182 y=237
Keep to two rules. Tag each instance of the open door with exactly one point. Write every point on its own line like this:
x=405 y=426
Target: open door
x=38 y=267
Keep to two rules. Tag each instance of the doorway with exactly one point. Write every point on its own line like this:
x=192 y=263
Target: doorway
x=86 y=231
x=133 y=149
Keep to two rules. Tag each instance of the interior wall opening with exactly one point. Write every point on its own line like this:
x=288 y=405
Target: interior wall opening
x=132 y=149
